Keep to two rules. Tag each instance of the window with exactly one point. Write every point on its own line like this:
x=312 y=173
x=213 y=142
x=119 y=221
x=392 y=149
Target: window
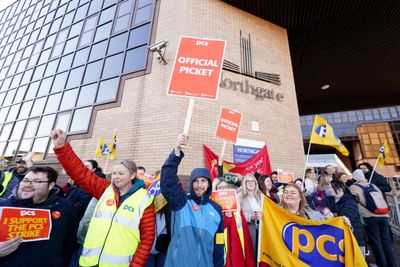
x=65 y=62
x=59 y=81
x=87 y=95
x=98 y=50
x=108 y=90
x=88 y=30
x=103 y=32
x=113 y=66
x=81 y=57
x=25 y=109
x=139 y=36
x=45 y=86
x=93 y=71
x=69 y=99
x=38 y=107
x=46 y=125
x=75 y=77
x=107 y=15
x=135 y=59
x=52 y=103
x=80 y=121
x=117 y=43
x=142 y=15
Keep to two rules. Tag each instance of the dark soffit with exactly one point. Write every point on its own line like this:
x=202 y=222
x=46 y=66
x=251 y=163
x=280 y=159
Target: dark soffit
x=352 y=45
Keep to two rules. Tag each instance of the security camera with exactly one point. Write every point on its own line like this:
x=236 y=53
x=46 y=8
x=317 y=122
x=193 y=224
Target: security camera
x=158 y=46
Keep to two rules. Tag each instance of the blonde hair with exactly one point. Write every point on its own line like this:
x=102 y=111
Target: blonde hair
x=302 y=204
x=245 y=192
x=129 y=164
x=325 y=180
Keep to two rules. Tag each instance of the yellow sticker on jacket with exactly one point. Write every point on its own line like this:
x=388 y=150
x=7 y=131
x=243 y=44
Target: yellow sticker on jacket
x=219 y=239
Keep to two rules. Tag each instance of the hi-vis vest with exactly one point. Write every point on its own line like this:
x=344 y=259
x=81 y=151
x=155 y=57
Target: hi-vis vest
x=7 y=178
x=238 y=221
x=113 y=235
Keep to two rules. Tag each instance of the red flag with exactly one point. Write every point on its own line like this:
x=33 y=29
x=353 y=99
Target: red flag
x=211 y=161
x=258 y=163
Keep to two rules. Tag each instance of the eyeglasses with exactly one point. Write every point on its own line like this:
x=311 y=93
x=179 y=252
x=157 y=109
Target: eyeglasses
x=34 y=182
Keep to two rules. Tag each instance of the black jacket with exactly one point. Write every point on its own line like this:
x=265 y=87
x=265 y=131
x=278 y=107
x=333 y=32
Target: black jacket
x=56 y=251
x=79 y=199
x=347 y=206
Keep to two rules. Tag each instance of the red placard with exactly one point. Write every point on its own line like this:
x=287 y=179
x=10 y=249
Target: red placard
x=286 y=177
x=197 y=68
x=226 y=199
x=228 y=125
x=30 y=224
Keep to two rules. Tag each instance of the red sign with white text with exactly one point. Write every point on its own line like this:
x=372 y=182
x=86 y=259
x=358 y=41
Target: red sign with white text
x=226 y=199
x=30 y=224
x=197 y=68
x=228 y=125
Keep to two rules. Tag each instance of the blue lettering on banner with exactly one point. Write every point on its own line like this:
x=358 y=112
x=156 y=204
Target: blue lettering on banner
x=315 y=245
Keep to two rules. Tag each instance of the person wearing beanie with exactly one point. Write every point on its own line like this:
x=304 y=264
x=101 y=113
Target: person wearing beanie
x=376 y=225
x=197 y=226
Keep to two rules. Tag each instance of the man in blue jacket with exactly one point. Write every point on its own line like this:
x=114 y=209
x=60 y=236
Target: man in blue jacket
x=37 y=191
x=197 y=222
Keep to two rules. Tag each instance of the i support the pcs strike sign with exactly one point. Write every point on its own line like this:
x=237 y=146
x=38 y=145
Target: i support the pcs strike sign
x=228 y=125
x=197 y=68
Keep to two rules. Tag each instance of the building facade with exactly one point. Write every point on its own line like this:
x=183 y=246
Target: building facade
x=84 y=66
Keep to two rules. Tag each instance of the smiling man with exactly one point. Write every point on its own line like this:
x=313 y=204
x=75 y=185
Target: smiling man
x=197 y=225
x=37 y=191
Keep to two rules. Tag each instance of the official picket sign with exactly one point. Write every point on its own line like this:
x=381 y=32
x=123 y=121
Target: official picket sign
x=286 y=177
x=228 y=125
x=197 y=68
x=30 y=224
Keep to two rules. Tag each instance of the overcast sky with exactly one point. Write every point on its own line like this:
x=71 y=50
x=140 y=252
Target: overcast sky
x=6 y=3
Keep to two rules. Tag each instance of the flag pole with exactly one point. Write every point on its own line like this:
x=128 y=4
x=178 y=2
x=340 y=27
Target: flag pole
x=373 y=170
x=305 y=164
x=105 y=168
x=222 y=152
x=97 y=145
x=188 y=117
x=259 y=232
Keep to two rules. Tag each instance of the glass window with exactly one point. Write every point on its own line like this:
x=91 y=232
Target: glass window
x=16 y=80
x=109 y=3
x=95 y=6
x=135 y=59
x=19 y=96
x=11 y=148
x=18 y=130
x=25 y=146
x=72 y=5
x=87 y=95
x=26 y=108
x=57 y=50
x=40 y=146
x=52 y=103
x=124 y=7
x=103 y=32
x=67 y=19
x=90 y=23
x=81 y=57
x=142 y=15
x=117 y=43
x=51 y=67
x=49 y=17
x=69 y=99
x=113 y=66
x=75 y=77
x=10 y=97
x=33 y=88
x=50 y=41
x=5 y=133
x=61 y=10
x=31 y=128
x=44 y=56
x=62 y=121
x=55 y=26
x=108 y=90
x=34 y=36
x=3 y=113
x=46 y=125
x=44 y=30
x=22 y=65
x=13 y=113
x=144 y=2
x=59 y=81
x=65 y=62
x=121 y=23
x=80 y=121
x=28 y=51
x=2 y=96
x=98 y=51
x=81 y=12
x=139 y=36
x=107 y=15
x=71 y=44
x=38 y=107
x=39 y=71
x=76 y=29
x=45 y=86
x=93 y=71
x=33 y=60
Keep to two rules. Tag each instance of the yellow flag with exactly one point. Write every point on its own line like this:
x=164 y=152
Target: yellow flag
x=102 y=149
x=290 y=240
x=113 y=146
x=322 y=134
x=383 y=154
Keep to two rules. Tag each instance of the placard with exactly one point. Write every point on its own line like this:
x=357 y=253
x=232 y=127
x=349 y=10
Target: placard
x=228 y=125
x=286 y=177
x=197 y=68
x=227 y=199
x=30 y=224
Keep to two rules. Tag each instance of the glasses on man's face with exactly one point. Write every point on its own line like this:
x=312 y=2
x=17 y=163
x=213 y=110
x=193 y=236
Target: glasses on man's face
x=34 y=182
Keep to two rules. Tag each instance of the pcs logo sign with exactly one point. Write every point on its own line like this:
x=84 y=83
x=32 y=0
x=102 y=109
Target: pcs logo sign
x=321 y=245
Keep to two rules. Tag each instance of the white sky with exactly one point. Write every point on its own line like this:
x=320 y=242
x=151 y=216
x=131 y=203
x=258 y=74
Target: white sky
x=5 y=3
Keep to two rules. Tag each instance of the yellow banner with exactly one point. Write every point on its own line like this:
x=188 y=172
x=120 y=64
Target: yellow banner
x=290 y=240
x=383 y=154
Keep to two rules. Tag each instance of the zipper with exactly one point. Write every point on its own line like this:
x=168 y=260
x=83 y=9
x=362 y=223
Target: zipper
x=105 y=239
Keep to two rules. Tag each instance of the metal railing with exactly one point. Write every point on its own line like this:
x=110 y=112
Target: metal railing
x=393 y=199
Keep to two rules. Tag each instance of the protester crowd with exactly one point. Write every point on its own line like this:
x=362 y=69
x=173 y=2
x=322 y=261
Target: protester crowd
x=102 y=222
